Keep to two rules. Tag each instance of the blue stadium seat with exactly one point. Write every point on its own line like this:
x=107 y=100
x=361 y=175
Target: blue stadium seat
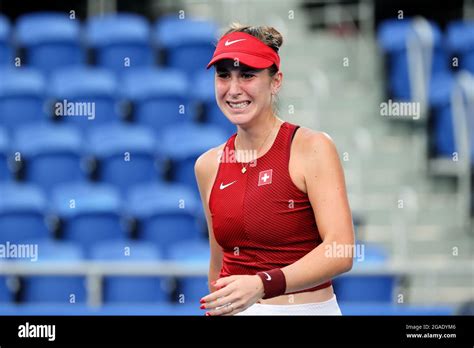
x=52 y=154
x=22 y=213
x=6 y=51
x=125 y=154
x=120 y=41
x=366 y=288
x=188 y=44
x=184 y=145
x=5 y=174
x=6 y=293
x=93 y=89
x=159 y=97
x=393 y=37
x=52 y=40
x=131 y=289
x=460 y=41
x=21 y=97
x=52 y=288
x=167 y=213
x=195 y=253
x=441 y=87
x=91 y=212
x=465 y=308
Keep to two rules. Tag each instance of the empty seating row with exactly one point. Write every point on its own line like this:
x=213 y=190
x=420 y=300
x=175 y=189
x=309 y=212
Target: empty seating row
x=89 y=213
x=114 y=41
x=120 y=154
x=416 y=49
x=86 y=97
x=72 y=289
x=399 y=39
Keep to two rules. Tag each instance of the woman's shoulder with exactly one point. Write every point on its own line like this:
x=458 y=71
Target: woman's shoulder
x=208 y=162
x=306 y=155
x=307 y=140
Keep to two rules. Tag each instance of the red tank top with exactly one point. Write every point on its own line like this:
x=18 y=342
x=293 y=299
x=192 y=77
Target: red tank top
x=260 y=218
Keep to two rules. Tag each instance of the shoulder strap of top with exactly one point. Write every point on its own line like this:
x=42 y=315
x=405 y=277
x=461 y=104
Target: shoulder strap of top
x=230 y=142
x=290 y=134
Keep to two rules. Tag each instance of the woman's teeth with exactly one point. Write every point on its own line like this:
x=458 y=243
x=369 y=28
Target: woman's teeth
x=239 y=105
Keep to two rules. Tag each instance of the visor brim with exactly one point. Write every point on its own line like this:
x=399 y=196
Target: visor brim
x=244 y=58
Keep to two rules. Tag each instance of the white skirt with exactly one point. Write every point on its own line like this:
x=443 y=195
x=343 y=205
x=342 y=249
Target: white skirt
x=329 y=307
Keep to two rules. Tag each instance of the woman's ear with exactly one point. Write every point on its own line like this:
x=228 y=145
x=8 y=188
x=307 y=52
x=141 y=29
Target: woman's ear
x=276 y=82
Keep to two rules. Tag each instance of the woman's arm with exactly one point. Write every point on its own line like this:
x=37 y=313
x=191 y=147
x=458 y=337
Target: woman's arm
x=326 y=189
x=205 y=170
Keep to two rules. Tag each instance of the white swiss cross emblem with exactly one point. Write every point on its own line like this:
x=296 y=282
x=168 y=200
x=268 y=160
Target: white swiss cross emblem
x=265 y=177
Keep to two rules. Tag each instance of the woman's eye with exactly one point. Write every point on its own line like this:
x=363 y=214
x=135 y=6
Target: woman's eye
x=247 y=76
x=223 y=75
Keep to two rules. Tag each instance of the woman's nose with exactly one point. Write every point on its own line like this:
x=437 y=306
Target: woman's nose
x=234 y=87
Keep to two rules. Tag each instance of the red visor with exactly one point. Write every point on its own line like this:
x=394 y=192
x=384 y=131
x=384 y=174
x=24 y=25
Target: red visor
x=247 y=49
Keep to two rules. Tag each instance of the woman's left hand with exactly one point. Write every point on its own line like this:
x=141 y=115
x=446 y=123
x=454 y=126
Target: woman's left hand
x=235 y=294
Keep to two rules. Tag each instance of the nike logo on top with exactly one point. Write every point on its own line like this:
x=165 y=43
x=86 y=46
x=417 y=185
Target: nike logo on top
x=268 y=276
x=228 y=43
x=226 y=185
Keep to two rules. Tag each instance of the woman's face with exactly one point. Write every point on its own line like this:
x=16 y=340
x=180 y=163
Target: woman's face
x=242 y=92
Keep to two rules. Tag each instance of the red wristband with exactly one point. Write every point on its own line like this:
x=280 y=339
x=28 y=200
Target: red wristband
x=274 y=283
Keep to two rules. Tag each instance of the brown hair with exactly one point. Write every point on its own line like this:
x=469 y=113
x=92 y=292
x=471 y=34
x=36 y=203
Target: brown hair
x=268 y=35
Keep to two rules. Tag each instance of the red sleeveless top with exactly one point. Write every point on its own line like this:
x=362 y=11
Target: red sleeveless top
x=260 y=218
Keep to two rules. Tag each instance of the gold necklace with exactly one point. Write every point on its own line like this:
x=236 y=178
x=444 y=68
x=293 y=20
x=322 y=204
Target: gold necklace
x=244 y=168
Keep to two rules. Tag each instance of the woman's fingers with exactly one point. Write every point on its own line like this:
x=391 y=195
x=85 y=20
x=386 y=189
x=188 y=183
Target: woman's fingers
x=219 y=302
x=212 y=300
x=236 y=308
x=227 y=309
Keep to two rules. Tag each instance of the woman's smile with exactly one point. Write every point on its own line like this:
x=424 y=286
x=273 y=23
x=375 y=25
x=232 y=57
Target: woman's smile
x=239 y=106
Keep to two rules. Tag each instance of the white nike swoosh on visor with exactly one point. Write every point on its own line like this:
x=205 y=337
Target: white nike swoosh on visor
x=226 y=185
x=228 y=43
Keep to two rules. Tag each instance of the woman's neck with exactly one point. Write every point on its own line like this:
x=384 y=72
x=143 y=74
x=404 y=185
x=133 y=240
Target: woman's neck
x=251 y=137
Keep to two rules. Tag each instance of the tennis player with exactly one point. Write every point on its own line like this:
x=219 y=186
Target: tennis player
x=274 y=194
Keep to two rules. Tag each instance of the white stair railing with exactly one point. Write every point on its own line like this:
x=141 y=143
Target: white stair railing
x=462 y=106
